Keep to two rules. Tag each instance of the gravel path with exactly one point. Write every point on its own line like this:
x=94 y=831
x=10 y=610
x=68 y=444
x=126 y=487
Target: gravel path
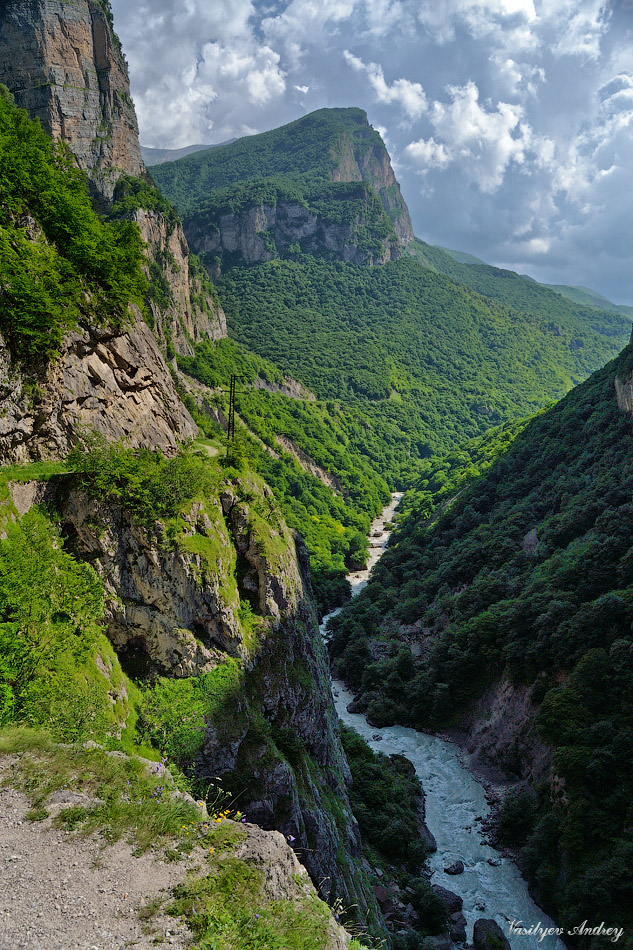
x=61 y=892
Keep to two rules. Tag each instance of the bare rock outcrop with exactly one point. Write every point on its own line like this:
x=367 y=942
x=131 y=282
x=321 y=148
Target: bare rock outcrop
x=114 y=382
x=192 y=311
x=264 y=231
x=363 y=157
x=63 y=63
x=501 y=730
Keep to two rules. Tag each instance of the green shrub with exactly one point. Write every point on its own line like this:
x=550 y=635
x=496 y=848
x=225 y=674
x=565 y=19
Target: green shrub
x=59 y=261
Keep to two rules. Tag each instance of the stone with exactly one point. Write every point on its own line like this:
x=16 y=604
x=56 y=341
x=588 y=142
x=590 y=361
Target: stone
x=115 y=383
x=359 y=705
x=453 y=902
x=456 y=868
x=457 y=927
x=440 y=942
x=427 y=837
x=488 y=935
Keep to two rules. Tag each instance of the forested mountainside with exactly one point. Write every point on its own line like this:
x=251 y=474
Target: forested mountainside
x=506 y=605
x=422 y=358
x=428 y=361
x=562 y=308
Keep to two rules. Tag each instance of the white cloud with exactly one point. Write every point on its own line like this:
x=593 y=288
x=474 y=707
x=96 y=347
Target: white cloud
x=510 y=121
x=429 y=154
x=408 y=95
x=483 y=142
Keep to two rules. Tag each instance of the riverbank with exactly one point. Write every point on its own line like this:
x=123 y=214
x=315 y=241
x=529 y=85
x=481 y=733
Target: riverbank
x=459 y=804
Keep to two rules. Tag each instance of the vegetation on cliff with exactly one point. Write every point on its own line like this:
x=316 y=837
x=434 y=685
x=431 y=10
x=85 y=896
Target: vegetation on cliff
x=426 y=362
x=60 y=263
x=330 y=493
x=526 y=573
x=309 y=150
x=330 y=164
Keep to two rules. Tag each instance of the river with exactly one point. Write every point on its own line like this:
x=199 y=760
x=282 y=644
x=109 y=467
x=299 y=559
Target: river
x=455 y=803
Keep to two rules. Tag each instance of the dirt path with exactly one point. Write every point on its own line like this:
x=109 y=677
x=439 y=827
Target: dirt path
x=61 y=892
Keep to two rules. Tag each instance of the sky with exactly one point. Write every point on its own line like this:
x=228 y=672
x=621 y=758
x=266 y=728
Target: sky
x=509 y=122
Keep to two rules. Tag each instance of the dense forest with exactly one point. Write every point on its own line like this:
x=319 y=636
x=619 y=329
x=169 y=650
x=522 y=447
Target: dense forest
x=428 y=361
x=525 y=573
x=308 y=150
x=310 y=453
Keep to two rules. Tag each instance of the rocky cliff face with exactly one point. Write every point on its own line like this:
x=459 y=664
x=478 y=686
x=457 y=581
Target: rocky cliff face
x=176 y=607
x=189 y=310
x=363 y=157
x=265 y=231
x=500 y=730
x=114 y=382
x=64 y=65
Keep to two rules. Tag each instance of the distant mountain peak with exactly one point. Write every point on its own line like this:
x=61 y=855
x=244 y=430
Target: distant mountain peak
x=321 y=185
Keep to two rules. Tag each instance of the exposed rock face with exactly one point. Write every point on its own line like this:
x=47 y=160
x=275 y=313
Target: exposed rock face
x=192 y=312
x=175 y=604
x=308 y=463
x=501 y=729
x=165 y=611
x=624 y=394
x=265 y=231
x=116 y=383
x=64 y=65
x=363 y=157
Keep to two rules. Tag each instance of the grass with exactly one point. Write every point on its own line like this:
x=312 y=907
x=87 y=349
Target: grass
x=226 y=906
x=135 y=802
x=229 y=910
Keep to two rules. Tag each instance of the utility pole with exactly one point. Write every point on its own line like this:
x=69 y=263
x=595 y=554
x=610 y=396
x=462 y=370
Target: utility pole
x=230 y=431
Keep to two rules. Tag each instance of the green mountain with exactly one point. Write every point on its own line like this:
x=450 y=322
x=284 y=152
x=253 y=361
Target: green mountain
x=524 y=294
x=587 y=297
x=519 y=586
x=323 y=184
x=578 y=295
x=288 y=228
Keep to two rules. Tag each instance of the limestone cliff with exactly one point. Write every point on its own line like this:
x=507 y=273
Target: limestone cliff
x=360 y=234
x=230 y=581
x=114 y=382
x=362 y=156
x=322 y=185
x=64 y=65
x=189 y=310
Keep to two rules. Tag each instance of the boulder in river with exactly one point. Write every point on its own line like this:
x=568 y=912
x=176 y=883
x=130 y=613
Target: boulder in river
x=440 y=942
x=488 y=935
x=456 y=868
x=457 y=927
x=453 y=901
x=357 y=705
x=427 y=837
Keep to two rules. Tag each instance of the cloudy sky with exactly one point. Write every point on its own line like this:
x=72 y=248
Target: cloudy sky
x=509 y=122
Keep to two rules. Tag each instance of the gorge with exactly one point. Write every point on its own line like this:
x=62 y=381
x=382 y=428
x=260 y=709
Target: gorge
x=455 y=804
x=161 y=584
